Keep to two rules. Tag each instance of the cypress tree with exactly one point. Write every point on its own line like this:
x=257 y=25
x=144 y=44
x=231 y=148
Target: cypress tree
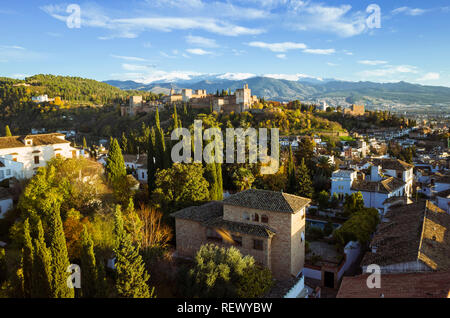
x=7 y=131
x=219 y=181
x=27 y=252
x=132 y=277
x=292 y=182
x=88 y=265
x=305 y=187
x=161 y=161
x=211 y=177
x=151 y=168
x=60 y=257
x=175 y=117
x=115 y=165
x=124 y=143
x=118 y=223
x=42 y=276
x=84 y=143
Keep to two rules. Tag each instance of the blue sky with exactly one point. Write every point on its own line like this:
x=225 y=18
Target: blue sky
x=159 y=40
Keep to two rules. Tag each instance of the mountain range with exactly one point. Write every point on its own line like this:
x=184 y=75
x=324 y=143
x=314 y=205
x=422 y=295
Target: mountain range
x=308 y=89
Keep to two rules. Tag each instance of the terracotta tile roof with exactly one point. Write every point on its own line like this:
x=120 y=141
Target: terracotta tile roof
x=211 y=215
x=38 y=140
x=411 y=285
x=267 y=200
x=4 y=194
x=200 y=213
x=392 y=164
x=239 y=227
x=418 y=231
x=387 y=185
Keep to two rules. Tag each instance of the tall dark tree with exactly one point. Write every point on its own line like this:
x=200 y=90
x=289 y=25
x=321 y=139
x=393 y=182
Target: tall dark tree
x=28 y=253
x=88 y=265
x=84 y=143
x=175 y=117
x=115 y=164
x=60 y=257
x=42 y=272
x=151 y=155
x=305 y=187
x=219 y=181
x=292 y=179
x=124 y=143
x=132 y=277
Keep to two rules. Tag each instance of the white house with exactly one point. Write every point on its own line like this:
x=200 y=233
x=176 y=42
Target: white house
x=6 y=201
x=443 y=200
x=34 y=151
x=138 y=165
x=376 y=189
x=398 y=169
x=10 y=169
x=40 y=99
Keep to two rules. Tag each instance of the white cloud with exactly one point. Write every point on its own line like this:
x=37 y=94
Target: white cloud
x=332 y=64
x=339 y=20
x=129 y=58
x=281 y=56
x=201 y=41
x=131 y=27
x=389 y=70
x=372 y=62
x=278 y=47
x=198 y=52
x=12 y=47
x=409 y=11
x=134 y=67
x=430 y=77
x=320 y=51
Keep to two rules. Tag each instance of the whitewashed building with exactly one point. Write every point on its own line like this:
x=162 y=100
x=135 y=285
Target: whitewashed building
x=10 y=168
x=34 y=151
x=6 y=201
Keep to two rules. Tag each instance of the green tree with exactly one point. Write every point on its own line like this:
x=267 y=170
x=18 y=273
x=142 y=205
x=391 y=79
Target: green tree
x=359 y=227
x=323 y=199
x=243 y=179
x=224 y=272
x=211 y=177
x=42 y=272
x=28 y=253
x=292 y=180
x=7 y=131
x=124 y=143
x=175 y=117
x=84 y=143
x=353 y=203
x=115 y=164
x=181 y=186
x=305 y=187
x=60 y=258
x=219 y=181
x=88 y=265
x=132 y=277
x=151 y=155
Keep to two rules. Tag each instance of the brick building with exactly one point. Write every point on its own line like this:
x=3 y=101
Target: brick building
x=270 y=226
x=355 y=110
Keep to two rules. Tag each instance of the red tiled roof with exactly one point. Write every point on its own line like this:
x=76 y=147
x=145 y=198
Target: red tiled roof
x=411 y=285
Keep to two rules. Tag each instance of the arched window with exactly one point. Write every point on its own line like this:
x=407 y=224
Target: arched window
x=246 y=217
x=264 y=218
x=256 y=217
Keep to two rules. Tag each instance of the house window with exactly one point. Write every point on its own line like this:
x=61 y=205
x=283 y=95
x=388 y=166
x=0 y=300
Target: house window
x=36 y=160
x=237 y=240
x=256 y=217
x=211 y=234
x=8 y=172
x=2 y=174
x=246 y=217
x=258 y=245
x=264 y=218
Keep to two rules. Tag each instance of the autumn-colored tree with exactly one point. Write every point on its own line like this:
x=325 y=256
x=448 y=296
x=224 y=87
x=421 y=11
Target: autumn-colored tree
x=7 y=131
x=154 y=232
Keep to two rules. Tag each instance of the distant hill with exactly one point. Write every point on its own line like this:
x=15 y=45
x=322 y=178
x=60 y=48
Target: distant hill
x=285 y=90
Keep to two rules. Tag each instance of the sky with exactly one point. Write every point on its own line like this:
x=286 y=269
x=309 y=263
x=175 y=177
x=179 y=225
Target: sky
x=165 y=40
